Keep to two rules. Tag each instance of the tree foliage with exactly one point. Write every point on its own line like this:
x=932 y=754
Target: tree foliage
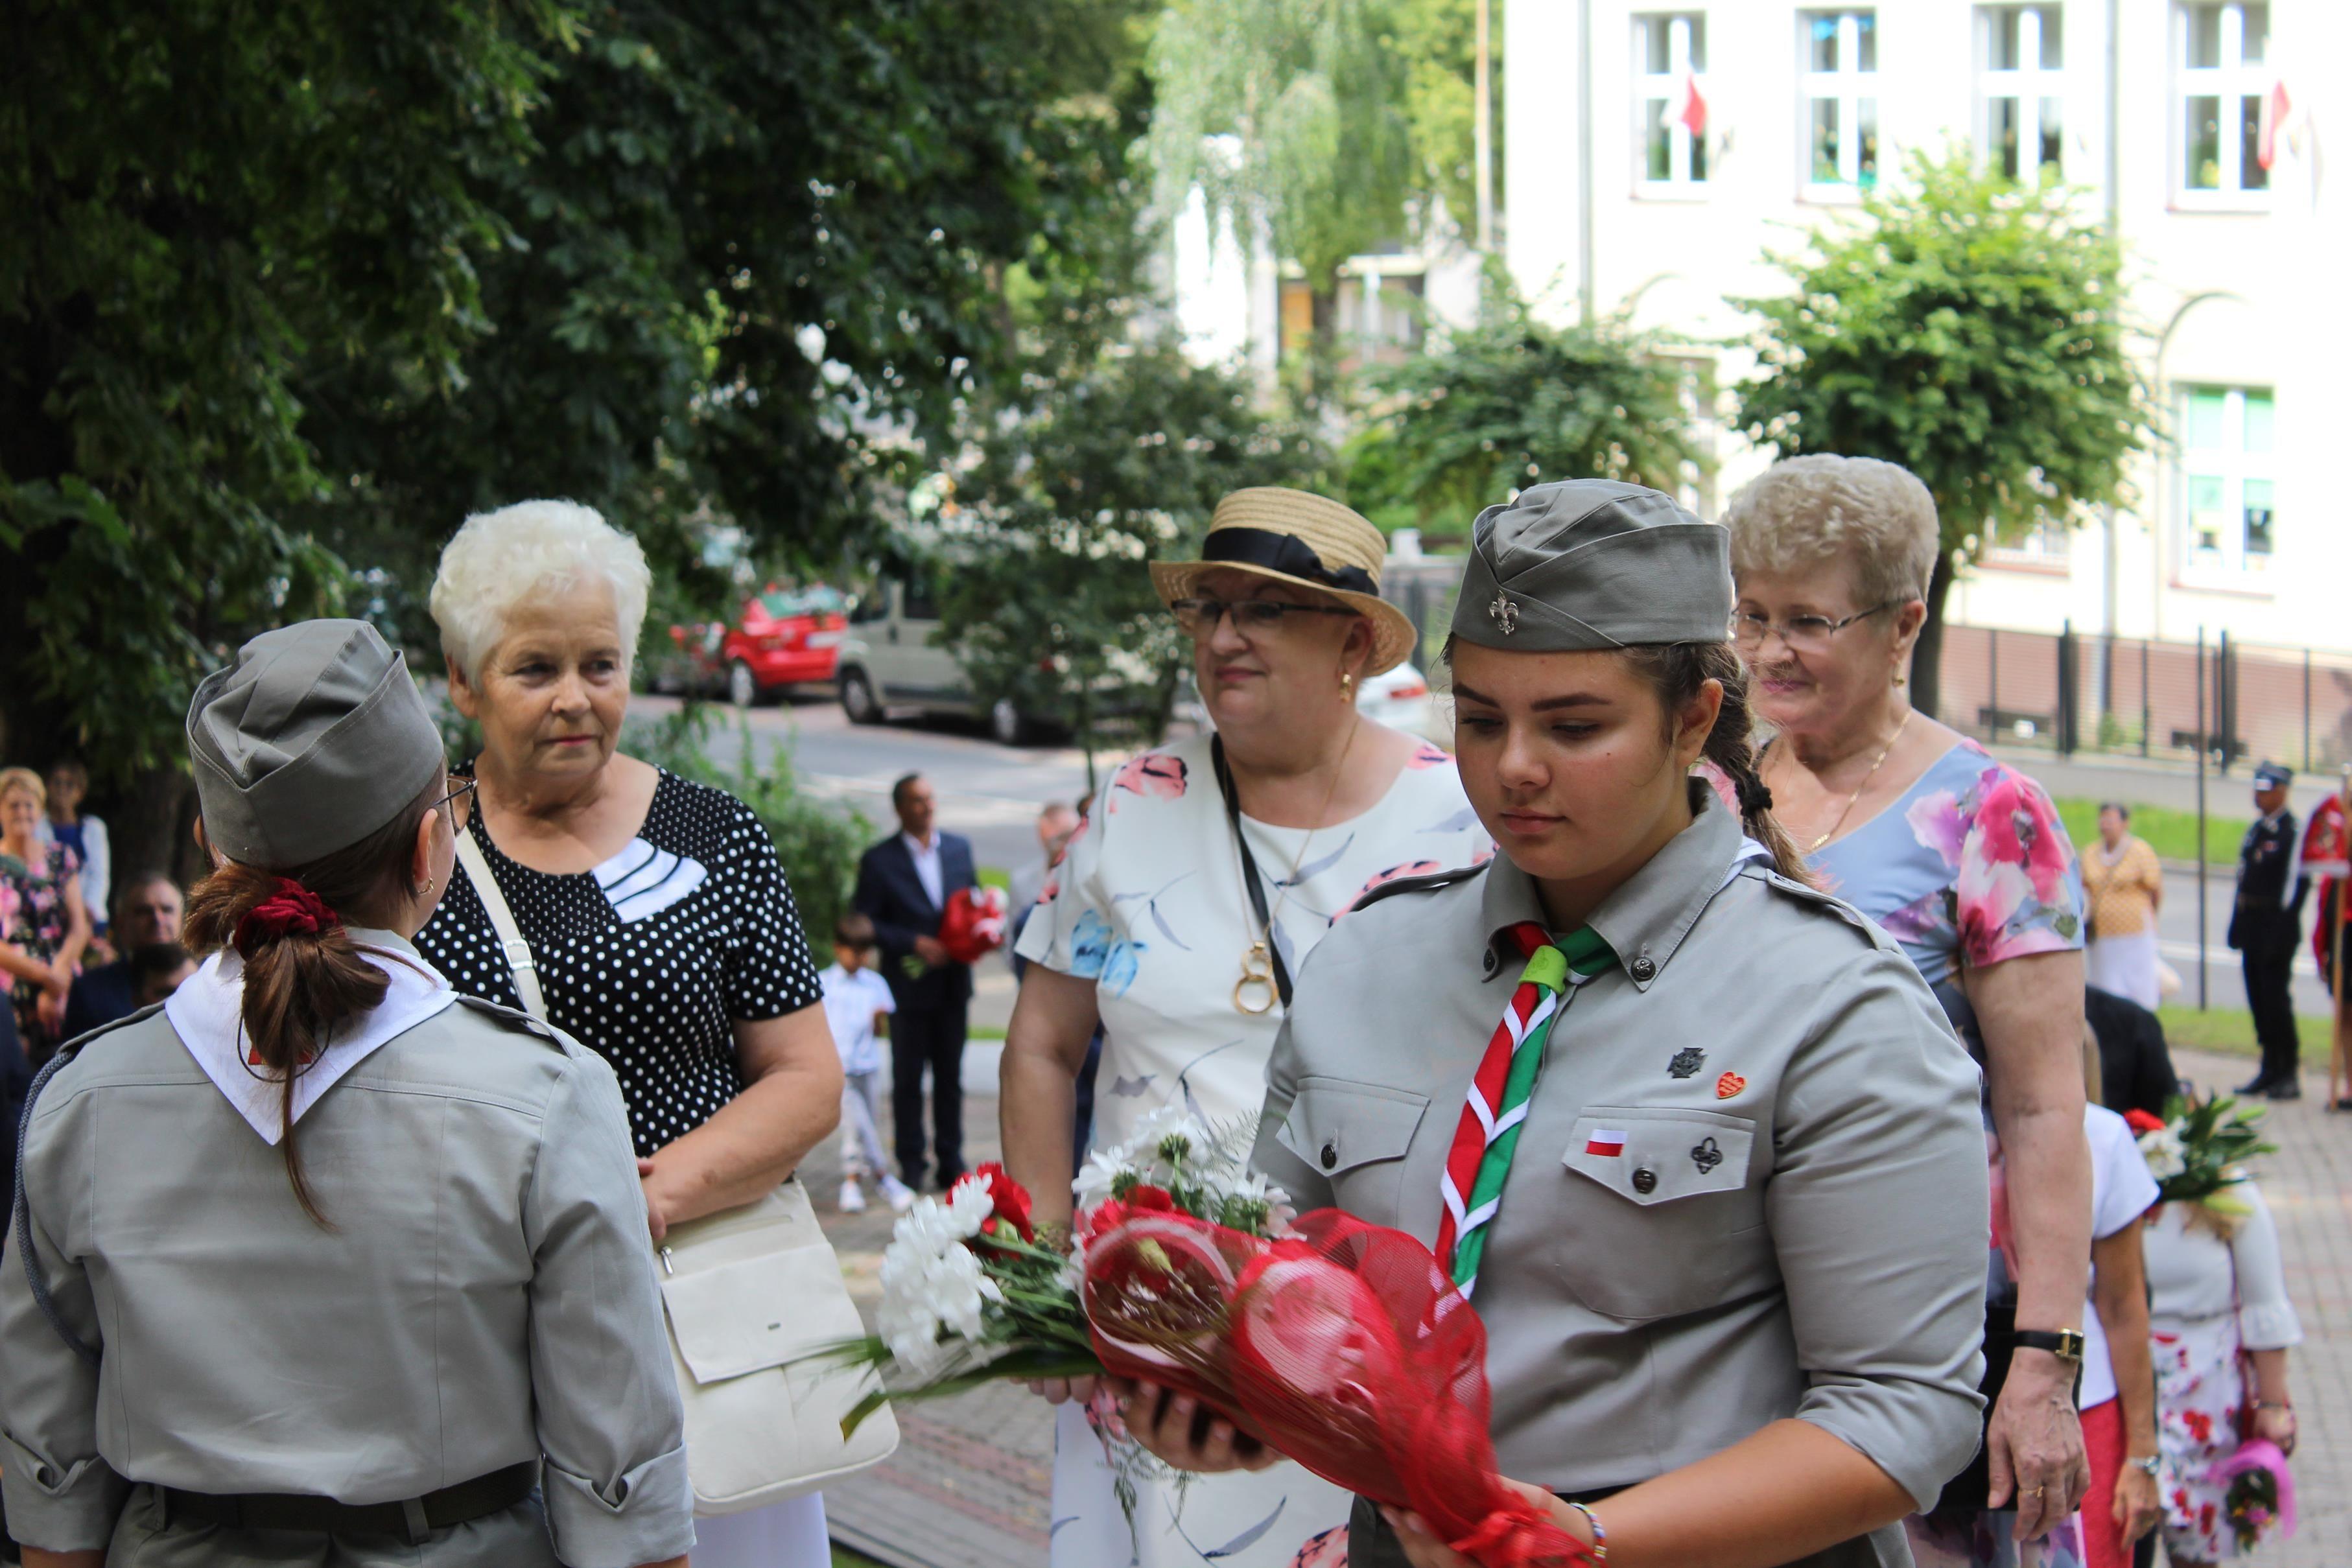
x=1973 y=331
x=1332 y=128
x=298 y=286
x=1513 y=402
x=1120 y=462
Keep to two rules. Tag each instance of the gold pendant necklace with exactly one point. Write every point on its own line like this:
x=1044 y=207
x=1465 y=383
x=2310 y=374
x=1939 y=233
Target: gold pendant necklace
x=1256 y=983
x=1848 y=810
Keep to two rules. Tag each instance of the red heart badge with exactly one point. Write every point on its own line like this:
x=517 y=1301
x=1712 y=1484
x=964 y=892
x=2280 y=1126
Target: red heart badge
x=1727 y=1085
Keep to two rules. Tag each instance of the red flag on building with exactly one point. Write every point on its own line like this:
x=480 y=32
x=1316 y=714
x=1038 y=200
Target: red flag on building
x=1692 y=116
x=2275 y=108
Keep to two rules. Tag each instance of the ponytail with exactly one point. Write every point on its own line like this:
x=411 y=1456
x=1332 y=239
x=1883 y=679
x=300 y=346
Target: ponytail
x=303 y=974
x=1677 y=672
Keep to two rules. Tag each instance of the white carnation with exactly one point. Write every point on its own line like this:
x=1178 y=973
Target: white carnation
x=2166 y=1155
x=928 y=1292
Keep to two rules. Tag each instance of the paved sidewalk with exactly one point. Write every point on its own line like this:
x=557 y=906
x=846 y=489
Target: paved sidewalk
x=969 y=1486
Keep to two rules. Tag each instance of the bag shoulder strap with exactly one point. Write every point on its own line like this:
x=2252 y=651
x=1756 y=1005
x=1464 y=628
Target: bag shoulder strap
x=502 y=921
x=1252 y=882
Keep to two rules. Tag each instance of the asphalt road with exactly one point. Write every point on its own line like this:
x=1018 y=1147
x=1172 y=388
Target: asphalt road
x=991 y=793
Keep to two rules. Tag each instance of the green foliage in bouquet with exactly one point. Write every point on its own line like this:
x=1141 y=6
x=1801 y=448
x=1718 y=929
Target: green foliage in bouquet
x=2198 y=1153
x=2252 y=1505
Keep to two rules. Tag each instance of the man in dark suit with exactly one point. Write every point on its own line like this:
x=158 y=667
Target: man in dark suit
x=903 y=885
x=147 y=912
x=2265 y=927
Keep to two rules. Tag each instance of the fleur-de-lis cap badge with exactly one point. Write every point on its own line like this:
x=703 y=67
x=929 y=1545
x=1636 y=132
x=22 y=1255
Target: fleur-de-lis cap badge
x=1505 y=613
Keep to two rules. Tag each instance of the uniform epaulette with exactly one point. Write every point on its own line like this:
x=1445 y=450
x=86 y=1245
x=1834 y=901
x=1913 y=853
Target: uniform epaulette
x=1805 y=892
x=513 y=1017
x=1428 y=883
x=74 y=1046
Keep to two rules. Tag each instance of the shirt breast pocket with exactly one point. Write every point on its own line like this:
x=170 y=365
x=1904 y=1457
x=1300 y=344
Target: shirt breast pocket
x=1677 y=1228
x=1356 y=1135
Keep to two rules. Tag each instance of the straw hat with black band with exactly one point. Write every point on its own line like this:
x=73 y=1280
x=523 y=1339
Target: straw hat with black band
x=1310 y=541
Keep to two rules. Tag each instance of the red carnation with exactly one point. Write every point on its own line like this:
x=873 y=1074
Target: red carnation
x=2141 y=1122
x=1151 y=1199
x=1009 y=1197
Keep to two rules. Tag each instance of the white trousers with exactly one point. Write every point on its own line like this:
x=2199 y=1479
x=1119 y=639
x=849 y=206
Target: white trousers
x=2125 y=966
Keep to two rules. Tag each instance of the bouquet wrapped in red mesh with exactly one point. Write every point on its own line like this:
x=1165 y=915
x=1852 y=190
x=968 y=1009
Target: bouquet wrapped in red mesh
x=1342 y=1345
x=973 y=923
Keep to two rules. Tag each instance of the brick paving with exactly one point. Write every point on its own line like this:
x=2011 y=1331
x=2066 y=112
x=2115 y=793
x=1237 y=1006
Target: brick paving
x=969 y=1486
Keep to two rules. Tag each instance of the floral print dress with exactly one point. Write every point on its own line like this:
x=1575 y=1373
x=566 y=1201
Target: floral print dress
x=34 y=919
x=1148 y=904
x=1969 y=868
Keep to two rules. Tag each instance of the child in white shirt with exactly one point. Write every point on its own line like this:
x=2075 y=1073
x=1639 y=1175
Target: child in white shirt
x=857 y=1005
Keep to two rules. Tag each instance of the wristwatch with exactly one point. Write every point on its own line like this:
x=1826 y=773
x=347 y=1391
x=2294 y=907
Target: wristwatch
x=2066 y=1344
x=2146 y=1462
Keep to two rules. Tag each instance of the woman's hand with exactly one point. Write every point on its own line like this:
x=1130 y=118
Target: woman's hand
x=1423 y=1549
x=1063 y=1390
x=2138 y=1507
x=50 y=1007
x=2276 y=1426
x=657 y=1211
x=1185 y=1434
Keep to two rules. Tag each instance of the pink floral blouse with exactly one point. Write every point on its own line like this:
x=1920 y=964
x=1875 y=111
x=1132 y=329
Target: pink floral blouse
x=1971 y=867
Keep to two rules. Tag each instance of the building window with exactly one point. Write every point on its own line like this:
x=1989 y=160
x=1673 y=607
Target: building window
x=2227 y=477
x=1670 y=100
x=2022 y=99
x=1839 y=98
x=2224 y=50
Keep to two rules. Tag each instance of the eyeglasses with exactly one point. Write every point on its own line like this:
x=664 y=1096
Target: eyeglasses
x=1199 y=617
x=460 y=801
x=1800 y=633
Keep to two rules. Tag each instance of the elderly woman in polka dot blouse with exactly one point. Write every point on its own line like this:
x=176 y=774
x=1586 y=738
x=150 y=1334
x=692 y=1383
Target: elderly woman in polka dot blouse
x=663 y=932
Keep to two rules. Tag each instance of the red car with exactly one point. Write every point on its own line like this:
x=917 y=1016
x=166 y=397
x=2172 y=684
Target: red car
x=783 y=637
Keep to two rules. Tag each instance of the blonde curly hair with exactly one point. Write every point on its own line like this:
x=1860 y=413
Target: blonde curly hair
x=1872 y=515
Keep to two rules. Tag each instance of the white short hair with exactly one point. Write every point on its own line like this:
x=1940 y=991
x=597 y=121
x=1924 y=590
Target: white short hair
x=502 y=558
x=1875 y=515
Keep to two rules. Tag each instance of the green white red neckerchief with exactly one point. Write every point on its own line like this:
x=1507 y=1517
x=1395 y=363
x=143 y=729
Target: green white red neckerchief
x=1497 y=1105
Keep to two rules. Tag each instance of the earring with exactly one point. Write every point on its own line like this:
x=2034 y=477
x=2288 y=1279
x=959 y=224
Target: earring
x=1900 y=680
x=1346 y=683
x=430 y=884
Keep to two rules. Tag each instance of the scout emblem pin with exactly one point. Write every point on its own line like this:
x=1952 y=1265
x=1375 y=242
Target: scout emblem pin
x=1605 y=1143
x=1505 y=613
x=1707 y=1156
x=1687 y=1061
x=1727 y=1085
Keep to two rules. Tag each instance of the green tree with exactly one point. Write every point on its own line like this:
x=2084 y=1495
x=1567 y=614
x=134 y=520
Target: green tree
x=1120 y=462
x=1513 y=402
x=199 y=198
x=1312 y=94
x=1973 y=331
x=289 y=288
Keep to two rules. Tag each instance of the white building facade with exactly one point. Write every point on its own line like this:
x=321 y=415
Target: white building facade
x=1656 y=152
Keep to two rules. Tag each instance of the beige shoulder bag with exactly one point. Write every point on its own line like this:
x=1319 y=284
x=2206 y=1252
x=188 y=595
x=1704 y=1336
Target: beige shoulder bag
x=748 y=1292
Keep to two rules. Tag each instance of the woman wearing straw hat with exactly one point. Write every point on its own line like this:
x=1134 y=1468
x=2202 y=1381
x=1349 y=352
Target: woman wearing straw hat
x=1207 y=871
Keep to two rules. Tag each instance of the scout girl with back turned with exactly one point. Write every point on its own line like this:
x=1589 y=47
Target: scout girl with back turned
x=320 y=1264
x=1695 y=1137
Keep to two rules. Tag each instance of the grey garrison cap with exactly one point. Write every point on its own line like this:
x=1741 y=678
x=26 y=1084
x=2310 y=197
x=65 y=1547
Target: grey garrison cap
x=1594 y=563
x=312 y=739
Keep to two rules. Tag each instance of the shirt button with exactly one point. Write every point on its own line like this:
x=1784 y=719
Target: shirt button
x=1490 y=961
x=1645 y=1180
x=1644 y=971
x=1331 y=1156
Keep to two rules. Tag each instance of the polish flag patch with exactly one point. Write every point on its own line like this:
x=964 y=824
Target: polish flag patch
x=1605 y=1143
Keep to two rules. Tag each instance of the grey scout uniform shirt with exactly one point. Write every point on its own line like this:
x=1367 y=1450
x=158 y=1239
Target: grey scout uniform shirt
x=488 y=1296
x=1810 y=1244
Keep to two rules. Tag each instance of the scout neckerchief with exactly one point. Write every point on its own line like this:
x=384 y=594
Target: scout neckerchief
x=1497 y=1105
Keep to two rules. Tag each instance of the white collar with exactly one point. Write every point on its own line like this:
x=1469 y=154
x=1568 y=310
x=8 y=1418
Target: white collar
x=207 y=1011
x=917 y=846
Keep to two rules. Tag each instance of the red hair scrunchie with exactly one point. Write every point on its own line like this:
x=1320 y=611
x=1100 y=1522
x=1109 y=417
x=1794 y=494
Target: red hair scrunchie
x=290 y=910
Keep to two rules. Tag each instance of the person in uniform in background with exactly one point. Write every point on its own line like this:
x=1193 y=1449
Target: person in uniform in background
x=321 y=1263
x=1694 y=1138
x=859 y=1005
x=2265 y=924
x=147 y=910
x=903 y=885
x=2328 y=859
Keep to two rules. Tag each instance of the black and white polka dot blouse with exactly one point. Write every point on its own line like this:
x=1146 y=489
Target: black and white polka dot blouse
x=651 y=957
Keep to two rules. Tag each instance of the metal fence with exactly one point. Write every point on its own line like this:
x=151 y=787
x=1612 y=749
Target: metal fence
x=2079 y=692
x=2083 y=692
